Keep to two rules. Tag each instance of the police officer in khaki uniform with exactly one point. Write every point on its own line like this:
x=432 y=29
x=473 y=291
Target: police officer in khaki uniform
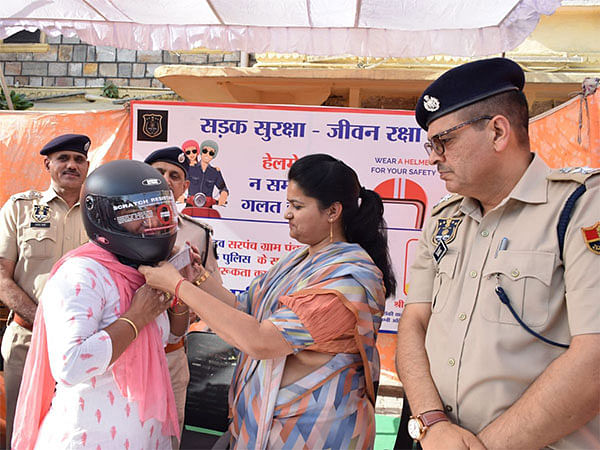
x=172 y=163
x=475 y=373
x=36 y=229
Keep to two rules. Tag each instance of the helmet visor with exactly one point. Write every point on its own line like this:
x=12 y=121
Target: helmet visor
x=147 y=214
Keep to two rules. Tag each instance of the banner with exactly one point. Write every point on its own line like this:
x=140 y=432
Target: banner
x=257 y=144
x=24 y=133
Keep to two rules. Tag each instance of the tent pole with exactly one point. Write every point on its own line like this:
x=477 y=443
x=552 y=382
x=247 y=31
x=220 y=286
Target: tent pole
x=5 y=89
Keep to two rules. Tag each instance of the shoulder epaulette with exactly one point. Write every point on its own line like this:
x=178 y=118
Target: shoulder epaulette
x=445 y=201
x=577 y=174
x=27 y=195
x=197 y=222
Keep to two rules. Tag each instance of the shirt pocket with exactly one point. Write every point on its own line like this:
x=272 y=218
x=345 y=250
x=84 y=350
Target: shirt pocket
x=526 y=278
x=443 y=281
x=39 y=243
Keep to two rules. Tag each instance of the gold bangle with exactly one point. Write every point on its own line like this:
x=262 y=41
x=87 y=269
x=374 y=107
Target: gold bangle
x=179 y=313
x=130 y=322
x=202 y=278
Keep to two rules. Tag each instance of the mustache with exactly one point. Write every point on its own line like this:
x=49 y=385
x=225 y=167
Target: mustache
x=70 y=172
x=442 y=168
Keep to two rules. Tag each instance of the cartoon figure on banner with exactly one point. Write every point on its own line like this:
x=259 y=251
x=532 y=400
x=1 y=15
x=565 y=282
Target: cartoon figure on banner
x=204 y=178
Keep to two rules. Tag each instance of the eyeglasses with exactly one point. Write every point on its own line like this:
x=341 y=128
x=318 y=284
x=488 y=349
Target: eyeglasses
x=210 y=152
x=187 y=152
x=435 y=144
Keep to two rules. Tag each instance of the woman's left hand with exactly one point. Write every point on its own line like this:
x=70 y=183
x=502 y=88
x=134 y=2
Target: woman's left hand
x=164 y=277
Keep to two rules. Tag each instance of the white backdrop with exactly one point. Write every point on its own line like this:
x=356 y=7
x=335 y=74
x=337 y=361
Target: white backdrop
x=258 y=143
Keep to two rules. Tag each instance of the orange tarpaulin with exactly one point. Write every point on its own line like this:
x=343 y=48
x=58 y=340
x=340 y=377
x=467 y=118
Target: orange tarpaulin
x=556 y=137
x=24 y=133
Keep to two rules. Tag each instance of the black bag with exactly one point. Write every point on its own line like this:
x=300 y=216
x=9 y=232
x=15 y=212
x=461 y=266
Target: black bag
x=211 y=361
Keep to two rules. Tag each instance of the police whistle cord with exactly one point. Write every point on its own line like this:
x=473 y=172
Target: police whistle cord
x=504 y=299
x=565 y=217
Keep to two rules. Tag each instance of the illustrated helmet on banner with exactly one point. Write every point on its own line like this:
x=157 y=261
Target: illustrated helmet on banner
x=129 y=210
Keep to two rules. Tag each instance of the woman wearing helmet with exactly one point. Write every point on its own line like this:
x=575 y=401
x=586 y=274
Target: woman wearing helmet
x=96 y=375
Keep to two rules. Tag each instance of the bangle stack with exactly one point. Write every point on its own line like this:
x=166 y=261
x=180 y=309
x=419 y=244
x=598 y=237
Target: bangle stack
x=130 y=322
x=202 y=278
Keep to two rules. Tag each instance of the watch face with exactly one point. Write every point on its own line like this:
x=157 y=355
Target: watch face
x=414 y=428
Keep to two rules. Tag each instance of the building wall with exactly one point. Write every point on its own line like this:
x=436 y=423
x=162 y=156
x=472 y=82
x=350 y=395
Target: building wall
x=69 y=62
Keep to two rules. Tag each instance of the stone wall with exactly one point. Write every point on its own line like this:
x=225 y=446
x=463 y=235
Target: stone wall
x=70 y=62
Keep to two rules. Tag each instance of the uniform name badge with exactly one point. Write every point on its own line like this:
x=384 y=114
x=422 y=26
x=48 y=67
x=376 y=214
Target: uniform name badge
x=41 y=215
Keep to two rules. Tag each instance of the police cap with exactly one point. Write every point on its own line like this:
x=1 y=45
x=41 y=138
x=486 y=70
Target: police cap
x=67 y=142
x=468 y=84
x=171 y=155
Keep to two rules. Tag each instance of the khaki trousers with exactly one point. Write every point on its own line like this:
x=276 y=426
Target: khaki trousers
x=180 y=378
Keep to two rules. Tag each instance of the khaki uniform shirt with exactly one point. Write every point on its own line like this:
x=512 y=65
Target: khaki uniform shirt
x=199 y=234
x=481 y=359
x=36 y=229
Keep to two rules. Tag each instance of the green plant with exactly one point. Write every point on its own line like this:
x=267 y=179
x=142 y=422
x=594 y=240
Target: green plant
x=110 y=90
x=19 y=101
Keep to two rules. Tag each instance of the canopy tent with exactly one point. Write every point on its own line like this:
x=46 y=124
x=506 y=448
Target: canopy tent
x=384 y=28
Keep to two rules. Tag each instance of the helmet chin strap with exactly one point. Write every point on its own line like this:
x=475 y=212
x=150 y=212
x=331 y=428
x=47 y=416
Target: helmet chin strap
x=129 y=262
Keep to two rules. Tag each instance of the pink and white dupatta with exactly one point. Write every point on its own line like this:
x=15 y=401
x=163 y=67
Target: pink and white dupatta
x=141 y=372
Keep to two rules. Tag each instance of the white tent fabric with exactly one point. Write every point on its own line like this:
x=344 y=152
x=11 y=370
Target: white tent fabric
x=383 y=28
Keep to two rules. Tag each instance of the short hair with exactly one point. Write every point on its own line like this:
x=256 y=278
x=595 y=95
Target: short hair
x=511 y=104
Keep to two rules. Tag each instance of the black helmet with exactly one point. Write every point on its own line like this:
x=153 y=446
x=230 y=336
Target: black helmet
x=129 y=210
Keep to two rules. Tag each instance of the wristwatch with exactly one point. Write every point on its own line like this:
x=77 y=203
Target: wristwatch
x=418 y=426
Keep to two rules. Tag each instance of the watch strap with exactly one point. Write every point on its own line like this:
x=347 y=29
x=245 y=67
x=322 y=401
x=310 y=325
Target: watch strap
x=428 y=418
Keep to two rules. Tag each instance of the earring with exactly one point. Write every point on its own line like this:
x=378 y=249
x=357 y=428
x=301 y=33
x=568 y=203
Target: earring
x=330 y=231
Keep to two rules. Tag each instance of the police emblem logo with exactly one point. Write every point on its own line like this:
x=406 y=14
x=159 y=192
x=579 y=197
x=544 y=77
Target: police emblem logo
x=41 y=213
x=591 y=237
x=152 y=125
x=431 y=104
x=445 y=230
x=181 y=158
